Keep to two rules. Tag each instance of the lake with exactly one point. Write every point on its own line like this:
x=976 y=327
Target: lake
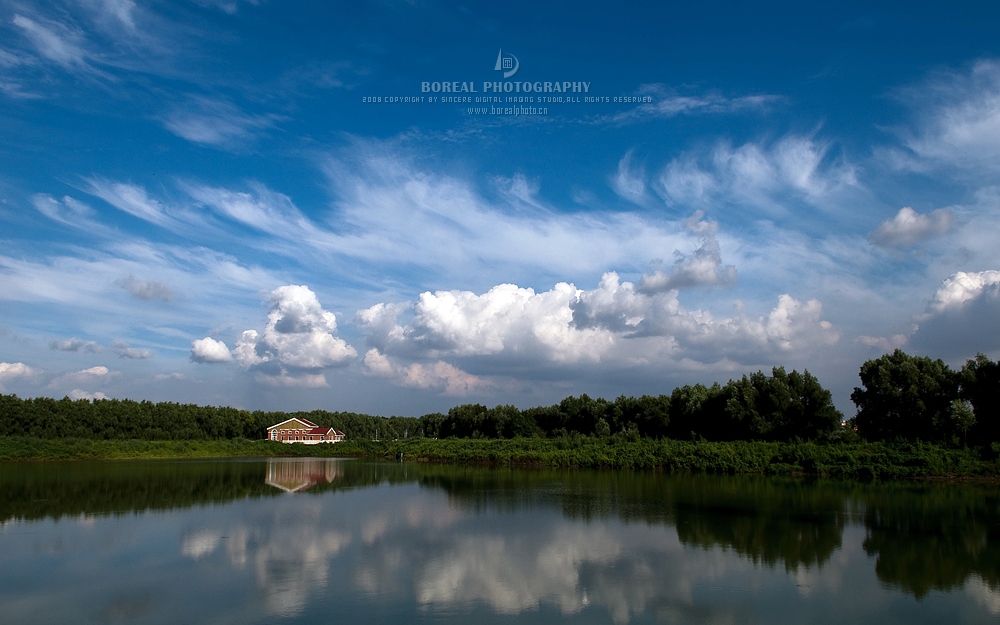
x=329 y=541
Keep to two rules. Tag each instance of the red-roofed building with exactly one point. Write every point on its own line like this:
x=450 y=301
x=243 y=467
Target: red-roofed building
x=299 y=430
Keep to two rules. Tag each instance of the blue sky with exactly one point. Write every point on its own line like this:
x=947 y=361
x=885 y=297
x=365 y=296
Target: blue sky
x=207 y=201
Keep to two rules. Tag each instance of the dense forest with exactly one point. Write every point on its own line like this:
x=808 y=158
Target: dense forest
x=902 y=397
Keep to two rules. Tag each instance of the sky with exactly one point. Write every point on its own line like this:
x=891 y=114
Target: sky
x=396 y=207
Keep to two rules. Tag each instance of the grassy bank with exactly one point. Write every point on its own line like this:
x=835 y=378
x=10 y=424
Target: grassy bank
x=849 y=460
x=29 y=448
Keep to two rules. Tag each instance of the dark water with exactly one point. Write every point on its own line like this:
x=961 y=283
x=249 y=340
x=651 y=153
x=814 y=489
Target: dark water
x=331 y=541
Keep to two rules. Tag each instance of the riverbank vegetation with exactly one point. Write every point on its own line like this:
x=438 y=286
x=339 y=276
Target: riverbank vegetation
x=853 y=460
x=915 y=418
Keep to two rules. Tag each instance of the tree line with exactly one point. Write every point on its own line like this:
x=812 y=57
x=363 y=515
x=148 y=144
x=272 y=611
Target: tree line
x=903 y=397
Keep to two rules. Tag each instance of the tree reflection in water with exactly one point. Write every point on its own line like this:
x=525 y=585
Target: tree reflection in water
x=522 y=541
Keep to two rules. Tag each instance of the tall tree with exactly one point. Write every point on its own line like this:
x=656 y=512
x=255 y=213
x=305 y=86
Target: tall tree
x=980 y=382
x=909 y=397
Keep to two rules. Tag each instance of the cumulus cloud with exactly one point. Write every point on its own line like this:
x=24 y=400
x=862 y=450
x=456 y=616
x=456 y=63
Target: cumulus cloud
x=82 y=394
x=908 y=227
x=99 y=371
x=145 y=290
x=123 y=350
x=208 y=350
x=620 y=307
x=297 y=343
x=961 y=288
x=507 y=321
x=614 y=324
x=74 y=345
x=895 y=341
x=12 y=370
x=438 y=375
x=84 y=377
x=702 y=268
x=963 y=317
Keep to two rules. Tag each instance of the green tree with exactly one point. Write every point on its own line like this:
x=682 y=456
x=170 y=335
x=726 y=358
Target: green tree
x=780 y=407
x=906 y=396
x=698 y=411
x=980 y=386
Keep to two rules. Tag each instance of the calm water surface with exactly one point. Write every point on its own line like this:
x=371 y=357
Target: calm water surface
x=330 y=541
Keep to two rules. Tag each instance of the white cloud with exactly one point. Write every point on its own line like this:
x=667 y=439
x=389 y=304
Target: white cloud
x=437 y=375
x=765 y=176
x=959 y=120
x=297 y=342
x=53 y=41
x=982 y=593
x=519 y=188
x=615 y=325
x=145 y=290
x=227 y=6
x=387 y=211
x=908 y=227
x=507 y=320
x=263 y=209
x=122 y=11
x=68 y=211
x=215 y=122
x=895 y=341
x=963 y=317
x=11 y=59
x=160 y=377
x=292 y=379
x=667 y=102
x=630 y=182
x=99 y=371
x=697 y=335
x=134 y=200
x=208 y=350
x=80 y=285
x=74 y=345
x=84 y=376
x=703 y=268
x=124 y=350
x=82 y=394
x=11 y=370
x=200 y=543
x=955 y=292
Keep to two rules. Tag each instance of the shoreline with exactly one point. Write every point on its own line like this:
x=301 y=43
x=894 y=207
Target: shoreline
x=857 y=460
